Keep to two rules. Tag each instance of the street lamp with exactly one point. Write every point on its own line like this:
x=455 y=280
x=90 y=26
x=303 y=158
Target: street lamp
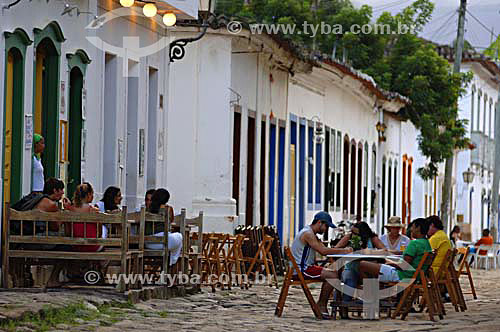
x=468 y=176
x=319 y=134
x=381 y=127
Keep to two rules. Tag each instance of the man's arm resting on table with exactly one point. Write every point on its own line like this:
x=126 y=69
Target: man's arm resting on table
x=319 y=247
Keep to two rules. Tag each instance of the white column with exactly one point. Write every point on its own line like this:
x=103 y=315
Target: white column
x=212 y=168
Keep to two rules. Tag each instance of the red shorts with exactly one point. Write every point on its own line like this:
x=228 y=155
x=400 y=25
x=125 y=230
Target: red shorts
x=313 y=272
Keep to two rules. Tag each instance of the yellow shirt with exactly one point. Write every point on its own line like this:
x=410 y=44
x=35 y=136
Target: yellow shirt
x=441 y=243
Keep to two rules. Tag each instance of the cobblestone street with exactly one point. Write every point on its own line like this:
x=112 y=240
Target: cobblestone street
x=253 y=309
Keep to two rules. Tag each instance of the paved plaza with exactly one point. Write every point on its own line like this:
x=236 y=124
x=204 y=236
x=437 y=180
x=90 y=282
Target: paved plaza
x=243 y=310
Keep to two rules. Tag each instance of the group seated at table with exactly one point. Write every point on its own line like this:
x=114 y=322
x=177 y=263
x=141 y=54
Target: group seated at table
x=391 y=271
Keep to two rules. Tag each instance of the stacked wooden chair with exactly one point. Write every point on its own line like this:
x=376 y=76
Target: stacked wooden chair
x=264 y=258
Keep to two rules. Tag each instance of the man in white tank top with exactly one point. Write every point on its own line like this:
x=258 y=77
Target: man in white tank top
x=304 y=248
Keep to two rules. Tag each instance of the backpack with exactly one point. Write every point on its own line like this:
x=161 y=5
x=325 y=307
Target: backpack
x=28 y=202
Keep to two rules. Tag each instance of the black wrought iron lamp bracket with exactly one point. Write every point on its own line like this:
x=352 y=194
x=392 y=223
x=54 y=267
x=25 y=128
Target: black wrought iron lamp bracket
x=177 y=47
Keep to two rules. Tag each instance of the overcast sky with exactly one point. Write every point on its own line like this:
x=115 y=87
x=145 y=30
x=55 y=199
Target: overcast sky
x=443 y=27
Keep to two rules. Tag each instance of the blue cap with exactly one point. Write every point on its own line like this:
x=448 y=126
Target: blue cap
x=324 y=217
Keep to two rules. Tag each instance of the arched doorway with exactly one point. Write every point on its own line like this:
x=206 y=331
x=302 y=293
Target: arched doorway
x=352 y=202
x=359 y=183
x=75 y=130
x=15 y=51
x=345 y=200
x=46 y=103
x=77 y=64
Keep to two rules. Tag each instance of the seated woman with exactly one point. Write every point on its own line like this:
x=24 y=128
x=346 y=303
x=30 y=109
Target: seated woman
x=83 y=196
x=159 y=201
x=369 y=240
x=110 y=203
x=413 y=254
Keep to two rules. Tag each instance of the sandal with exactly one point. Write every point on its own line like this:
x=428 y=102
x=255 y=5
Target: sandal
x=326 y=316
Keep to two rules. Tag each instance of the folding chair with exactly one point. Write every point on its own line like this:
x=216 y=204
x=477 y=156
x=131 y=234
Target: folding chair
x=444 y=279
x=454 y=279
x=236 y=260
x=217 y=259
x=464 y=263
x=295 y=277
x=264 y=257
x=418 y=283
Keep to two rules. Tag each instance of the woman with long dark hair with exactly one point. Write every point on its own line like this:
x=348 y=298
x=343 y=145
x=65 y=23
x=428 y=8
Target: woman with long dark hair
x=111 y=200
x=158 y=201
x=350 y=275
x=455 y=235
x=369 y=239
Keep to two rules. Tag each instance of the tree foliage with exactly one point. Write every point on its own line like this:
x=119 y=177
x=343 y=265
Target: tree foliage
x=400 y=62
x=494 y=49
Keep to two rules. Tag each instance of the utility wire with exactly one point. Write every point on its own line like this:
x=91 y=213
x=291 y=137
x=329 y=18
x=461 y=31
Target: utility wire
x=435 y=32
x=389 y=6
x=482 y=24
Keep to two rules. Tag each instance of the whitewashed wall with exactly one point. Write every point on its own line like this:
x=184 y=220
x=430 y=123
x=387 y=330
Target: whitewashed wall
x=113 y=33
x=471 y=206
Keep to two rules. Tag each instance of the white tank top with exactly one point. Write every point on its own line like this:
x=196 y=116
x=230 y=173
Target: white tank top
x=37 y=175
x=302 y=252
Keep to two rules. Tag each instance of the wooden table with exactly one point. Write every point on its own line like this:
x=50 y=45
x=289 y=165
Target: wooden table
x=352 y=257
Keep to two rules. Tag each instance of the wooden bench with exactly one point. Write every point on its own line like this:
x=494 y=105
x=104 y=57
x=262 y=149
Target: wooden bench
x=155 y=260
x=16 y=239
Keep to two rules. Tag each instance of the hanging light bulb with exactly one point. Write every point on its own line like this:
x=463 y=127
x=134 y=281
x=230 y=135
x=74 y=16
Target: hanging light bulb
x=149 y=10
x=126 y=3
x=169 y=19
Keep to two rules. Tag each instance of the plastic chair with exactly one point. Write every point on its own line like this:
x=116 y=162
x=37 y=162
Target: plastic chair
x=489 y=256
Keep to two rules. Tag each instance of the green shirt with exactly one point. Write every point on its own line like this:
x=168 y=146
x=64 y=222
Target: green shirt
x=416 y=249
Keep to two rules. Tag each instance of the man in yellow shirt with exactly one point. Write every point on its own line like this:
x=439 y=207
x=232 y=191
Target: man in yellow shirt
x=439 y=241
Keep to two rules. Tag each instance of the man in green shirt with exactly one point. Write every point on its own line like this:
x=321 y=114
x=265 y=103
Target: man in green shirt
x=412 y=255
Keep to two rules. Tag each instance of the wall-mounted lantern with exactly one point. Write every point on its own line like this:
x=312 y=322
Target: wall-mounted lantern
x=468 y=176
x=319 y=133
x=381 y=127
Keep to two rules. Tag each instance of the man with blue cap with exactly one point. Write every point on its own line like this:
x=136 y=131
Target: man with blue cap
x=304 y=248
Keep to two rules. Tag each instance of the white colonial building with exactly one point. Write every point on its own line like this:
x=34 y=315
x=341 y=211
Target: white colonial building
x=92 y=78
x=472 y=206
x=268 y=136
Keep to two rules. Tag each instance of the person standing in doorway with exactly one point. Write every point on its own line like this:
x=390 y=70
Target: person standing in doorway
x=37 y=177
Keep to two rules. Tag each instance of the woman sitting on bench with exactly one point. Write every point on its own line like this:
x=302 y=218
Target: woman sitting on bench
x=158 y=201
x=83 y=196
